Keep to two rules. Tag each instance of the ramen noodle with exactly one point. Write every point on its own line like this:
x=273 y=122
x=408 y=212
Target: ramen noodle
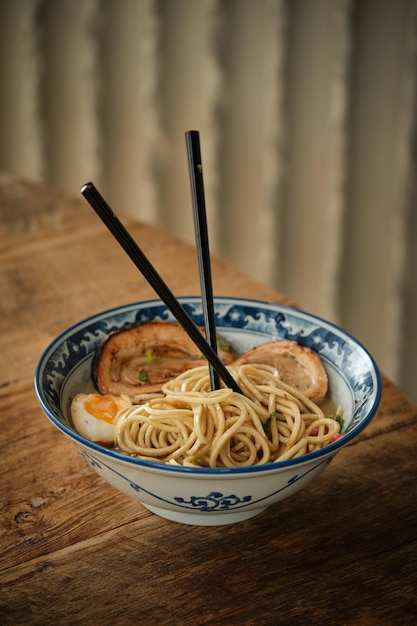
x=191 y=425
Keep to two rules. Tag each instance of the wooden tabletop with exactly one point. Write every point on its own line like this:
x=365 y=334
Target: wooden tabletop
x=75 y=551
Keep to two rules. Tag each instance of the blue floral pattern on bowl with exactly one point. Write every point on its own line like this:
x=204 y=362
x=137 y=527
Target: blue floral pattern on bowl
x=214 y=502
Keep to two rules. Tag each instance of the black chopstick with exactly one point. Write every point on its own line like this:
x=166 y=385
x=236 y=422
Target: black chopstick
x=103 y=210
x=202 y=242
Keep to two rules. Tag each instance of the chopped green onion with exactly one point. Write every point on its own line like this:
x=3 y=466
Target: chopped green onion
x=339 y=419
x=267 y=424
x=150 y=355
x=143 y=375
x=223 y=344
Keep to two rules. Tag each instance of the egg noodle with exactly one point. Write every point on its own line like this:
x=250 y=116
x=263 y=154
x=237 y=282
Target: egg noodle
x=191 y=425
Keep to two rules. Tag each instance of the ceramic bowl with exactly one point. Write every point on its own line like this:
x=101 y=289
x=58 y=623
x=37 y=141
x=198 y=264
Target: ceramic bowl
x=206 y=496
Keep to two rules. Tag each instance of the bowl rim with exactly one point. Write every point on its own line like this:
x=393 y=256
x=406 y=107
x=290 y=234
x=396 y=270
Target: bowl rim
x=328 y=450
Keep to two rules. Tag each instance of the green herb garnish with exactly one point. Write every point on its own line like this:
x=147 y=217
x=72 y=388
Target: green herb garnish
x=223 y=345
x=143 y=375
x=267 y=424
x=339 y=419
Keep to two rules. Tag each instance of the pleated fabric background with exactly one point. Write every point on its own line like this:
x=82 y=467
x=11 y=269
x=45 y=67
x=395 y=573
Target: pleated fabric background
x=307 y=114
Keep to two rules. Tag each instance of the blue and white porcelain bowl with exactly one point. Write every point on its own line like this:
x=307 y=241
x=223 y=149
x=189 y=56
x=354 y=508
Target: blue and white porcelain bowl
x=206 y=496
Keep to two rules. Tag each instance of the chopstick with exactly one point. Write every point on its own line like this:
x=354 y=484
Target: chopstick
x=105 y=213
x=202 y=241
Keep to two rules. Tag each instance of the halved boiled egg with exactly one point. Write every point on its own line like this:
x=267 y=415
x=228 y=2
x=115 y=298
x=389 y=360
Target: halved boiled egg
x=93 y=415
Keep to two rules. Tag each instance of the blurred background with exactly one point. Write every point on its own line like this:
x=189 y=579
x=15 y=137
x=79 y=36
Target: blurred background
x=307 y=112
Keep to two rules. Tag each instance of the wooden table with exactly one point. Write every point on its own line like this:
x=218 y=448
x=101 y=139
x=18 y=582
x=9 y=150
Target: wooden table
x=74 y=550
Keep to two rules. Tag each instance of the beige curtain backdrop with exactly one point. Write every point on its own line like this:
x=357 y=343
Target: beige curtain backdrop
x=307 y=114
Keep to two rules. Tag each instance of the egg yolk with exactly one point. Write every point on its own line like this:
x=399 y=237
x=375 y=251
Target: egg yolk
x=101 y=407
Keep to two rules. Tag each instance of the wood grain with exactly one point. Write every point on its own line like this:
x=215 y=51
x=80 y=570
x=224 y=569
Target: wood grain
x=75 y=551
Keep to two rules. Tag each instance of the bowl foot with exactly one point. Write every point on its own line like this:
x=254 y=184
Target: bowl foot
x=203 y=519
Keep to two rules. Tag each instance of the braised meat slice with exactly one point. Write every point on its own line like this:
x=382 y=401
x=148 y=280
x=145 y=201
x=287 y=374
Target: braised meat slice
x=297 y=365
x=141 y=358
